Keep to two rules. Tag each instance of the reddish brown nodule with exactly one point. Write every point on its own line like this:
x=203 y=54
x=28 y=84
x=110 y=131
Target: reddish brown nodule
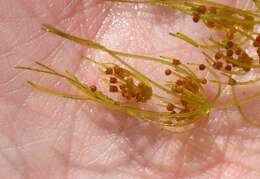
x=168 y=122
x=170 y=107
x=234 y=65
x=257 y=39
x=109 y=71
x=202 y=67
x=238 y=51
x=246 y=69
x=258 y=52
x=230 y=53
x=256 y=44
x=230 y=35
x=93 y=88
x=113 y=80
x=120 y=72
x=229 y=44
x=218 y=55
x=140 y=92
x=243 y=55
x=179 y=83
x=218 y=65
x=130 y=81
x=196 y=17
x=177 y=89
x=122 y=88
x=176 y=62
x=232 y=82
x=117 y=70
x=113 y=89
x=168 y=72
x=141 y=85
x=127 y=95
x=204 y=81
x=228 y=68
x=173 y=112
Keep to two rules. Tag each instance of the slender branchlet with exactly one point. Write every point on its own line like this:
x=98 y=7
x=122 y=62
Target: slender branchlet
x=183 y=104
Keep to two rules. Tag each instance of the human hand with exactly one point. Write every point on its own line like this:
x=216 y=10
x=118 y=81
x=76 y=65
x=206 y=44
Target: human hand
x=44 y=136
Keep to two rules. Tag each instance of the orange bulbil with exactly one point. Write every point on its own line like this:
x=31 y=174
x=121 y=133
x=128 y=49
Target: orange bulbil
x=202 y=67
x=232 y=82
x=228 y=68
x=113 y=89
x=238 y=51
x=230 y=53
x=230 y=35
x=196 y=17
x=204 y=81
x=176 y=62
x=218 y=55
x=229 y=44
x=113 y=80
x=93 y=88
x=218 y=65
x=168 y=72
x=109 y=71
x=170 y=107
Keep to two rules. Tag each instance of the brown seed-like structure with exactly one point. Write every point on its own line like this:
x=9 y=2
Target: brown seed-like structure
x=170 y=107
x=109 y=71
x=179 y=82
x=93 y=88
x=144 y=92
x=218 y=55
x=177 y=88
x=176 y=62
x=168 y=72
x=188 y=84
x=120 y=72
x=230 y=53
x=113 y=80
x=257 y=39
x=232 y=82
x=129 y=89
x=258 y=52
x=246 y=69
x=230 y=35
x=173 y=112
x=228 y=68
x=218 y=65
x=113 y=89
x=256 y=44
x=204 y=81
x=202 y=67
x=229 y=44
x=196 y=17
x=238 y=51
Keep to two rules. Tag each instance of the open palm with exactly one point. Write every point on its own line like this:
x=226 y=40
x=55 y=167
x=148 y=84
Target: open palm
x=44 y=136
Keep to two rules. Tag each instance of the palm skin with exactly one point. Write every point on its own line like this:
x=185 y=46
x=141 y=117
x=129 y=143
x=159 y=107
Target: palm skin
x=44 y=136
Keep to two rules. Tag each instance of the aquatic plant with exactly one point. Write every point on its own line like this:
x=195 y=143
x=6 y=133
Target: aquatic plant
x=183 y=104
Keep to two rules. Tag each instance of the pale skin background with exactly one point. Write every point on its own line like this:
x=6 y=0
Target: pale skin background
x=42 y=136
